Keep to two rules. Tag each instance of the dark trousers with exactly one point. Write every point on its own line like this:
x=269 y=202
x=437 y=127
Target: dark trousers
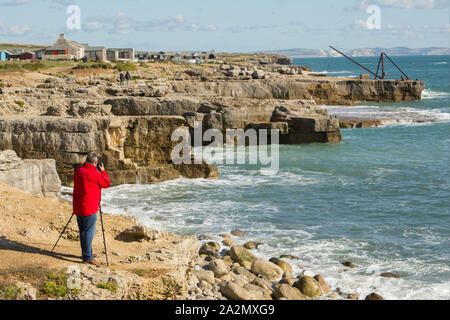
x=86 y=225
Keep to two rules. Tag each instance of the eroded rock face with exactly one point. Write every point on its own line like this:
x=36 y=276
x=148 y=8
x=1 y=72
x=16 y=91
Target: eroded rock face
x=134 y=149
x=298 y=121
x=324 y=91
x=37 y=177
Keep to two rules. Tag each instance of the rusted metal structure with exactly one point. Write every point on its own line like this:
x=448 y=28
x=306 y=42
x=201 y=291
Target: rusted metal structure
x=380 y=63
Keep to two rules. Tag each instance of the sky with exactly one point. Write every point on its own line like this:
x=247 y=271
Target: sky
x=230 y=25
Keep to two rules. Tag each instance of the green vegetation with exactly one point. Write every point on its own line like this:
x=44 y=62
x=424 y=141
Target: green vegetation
x=9 y=293
x=56 y=286
x=19 y=103
x=139 y=272
x=32 y=66
x=108 y=286
x=127 y=66
x=93 y=65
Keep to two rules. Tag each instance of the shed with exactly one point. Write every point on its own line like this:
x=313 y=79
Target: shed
x=27 y=56
x=4 y=55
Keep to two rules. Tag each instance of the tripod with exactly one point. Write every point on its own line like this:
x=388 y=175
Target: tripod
x=103 y=231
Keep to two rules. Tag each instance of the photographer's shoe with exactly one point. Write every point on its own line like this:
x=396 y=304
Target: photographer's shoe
x=93 y=262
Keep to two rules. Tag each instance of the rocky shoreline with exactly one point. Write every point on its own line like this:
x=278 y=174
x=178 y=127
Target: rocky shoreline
x=54 y=119
x=144 y=263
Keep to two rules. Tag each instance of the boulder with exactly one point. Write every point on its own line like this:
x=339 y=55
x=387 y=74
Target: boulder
x=286 y=267
x=309 y=286
x=353 y=296
x=242 y=256
x=268 y=269
x=349 y=264
x=323 y=284
x=210 y=248
x=139 y=233
x=27 y=292
x=227 y=243
x=265 y=284
x=205 y=275
x=252 y=245
x=374 y=296
x=228 y=261
x=238 y=233
x=287 y=292
x=9 y=160
x=255 y=290
x=242 y=272
x=37 y=177
x=258 y=74
x=234 y=291
x=224 y=235
x=390 y=275
x=218 y=267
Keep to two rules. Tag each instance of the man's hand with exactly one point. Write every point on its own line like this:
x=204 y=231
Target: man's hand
x=101 y=166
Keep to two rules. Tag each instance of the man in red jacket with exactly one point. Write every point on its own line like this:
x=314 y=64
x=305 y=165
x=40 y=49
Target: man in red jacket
x=87 y=192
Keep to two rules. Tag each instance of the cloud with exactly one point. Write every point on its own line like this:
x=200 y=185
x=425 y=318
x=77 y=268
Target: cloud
x=176 y=23
x=15 y=30
x=93 y=26
x=406 y=4
x=14 y=2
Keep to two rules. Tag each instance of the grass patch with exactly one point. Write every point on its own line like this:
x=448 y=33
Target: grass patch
x=32 y=66
x=127 y=66
x=140 y=272
x=9 y=293
x=108 y=286
x=93 y=65
x=56 y=285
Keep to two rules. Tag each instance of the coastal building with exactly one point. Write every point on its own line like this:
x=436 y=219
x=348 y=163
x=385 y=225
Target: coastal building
x=39 y=53
x=120 y=54
x=15 y=54
x=4 y=55
x=27 y=56
x=95 y=53
x=64 y=49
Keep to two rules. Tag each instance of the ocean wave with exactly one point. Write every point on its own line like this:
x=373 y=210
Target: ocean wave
x=439 y=63
x=331 y=72
x=391 y=115
x=430 y=94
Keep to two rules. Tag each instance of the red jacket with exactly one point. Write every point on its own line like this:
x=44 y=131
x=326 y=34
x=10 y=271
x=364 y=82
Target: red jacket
x=87 y=191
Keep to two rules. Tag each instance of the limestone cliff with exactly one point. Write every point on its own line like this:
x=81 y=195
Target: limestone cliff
x=134 y=149
x=323 y=91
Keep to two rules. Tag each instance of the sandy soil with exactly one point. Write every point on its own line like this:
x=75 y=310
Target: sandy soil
x=29 y=226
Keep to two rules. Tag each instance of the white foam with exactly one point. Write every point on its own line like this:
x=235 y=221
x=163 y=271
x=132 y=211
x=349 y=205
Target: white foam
x=430 y=94
x=392 y=115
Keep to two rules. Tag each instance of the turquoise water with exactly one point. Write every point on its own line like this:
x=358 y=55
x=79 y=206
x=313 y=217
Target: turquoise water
x=379 y=199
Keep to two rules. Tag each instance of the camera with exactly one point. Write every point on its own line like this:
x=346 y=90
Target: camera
x=99 y=165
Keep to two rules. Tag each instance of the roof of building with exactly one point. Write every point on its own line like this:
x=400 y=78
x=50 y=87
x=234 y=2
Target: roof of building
x=120 y=49
x=89 y=48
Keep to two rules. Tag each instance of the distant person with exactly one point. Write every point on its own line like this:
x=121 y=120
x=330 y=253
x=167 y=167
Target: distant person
x=128 y=77
x=122 y=78
x=87 y=191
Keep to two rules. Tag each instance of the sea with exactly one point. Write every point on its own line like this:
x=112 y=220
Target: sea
x=379 y=199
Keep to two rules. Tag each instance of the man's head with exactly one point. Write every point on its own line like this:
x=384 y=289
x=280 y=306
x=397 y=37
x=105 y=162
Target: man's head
x=92 y=159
